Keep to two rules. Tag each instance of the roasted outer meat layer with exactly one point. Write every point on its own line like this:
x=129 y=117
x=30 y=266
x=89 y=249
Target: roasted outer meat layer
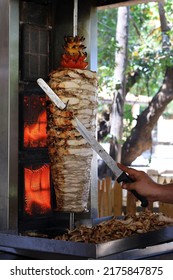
x=69 y=153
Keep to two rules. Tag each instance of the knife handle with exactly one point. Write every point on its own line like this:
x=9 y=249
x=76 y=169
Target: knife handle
x=126 y=179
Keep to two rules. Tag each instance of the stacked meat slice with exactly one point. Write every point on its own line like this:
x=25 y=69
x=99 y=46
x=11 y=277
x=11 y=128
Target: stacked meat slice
x=69 y=153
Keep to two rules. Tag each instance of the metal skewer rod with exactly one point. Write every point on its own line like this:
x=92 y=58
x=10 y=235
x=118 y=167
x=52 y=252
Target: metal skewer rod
x=71 y=225
x=75 y=18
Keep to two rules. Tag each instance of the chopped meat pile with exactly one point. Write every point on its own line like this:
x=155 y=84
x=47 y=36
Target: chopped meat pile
x=116 y=229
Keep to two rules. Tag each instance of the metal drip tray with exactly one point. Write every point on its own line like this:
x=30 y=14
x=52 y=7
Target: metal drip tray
x=134 y=247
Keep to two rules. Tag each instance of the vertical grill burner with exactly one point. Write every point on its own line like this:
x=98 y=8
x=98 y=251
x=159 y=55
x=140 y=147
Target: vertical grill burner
x=33 y=157
x=34 y=122
x=36 y=192
x=34 y=167
x=33 y=32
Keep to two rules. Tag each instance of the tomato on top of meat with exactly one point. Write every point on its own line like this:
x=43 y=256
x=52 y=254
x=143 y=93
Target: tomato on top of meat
x=74 y=57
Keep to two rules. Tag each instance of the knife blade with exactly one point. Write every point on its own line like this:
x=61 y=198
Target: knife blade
x=120 y=175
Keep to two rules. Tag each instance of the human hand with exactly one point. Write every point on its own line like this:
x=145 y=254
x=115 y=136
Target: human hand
x=142 y=184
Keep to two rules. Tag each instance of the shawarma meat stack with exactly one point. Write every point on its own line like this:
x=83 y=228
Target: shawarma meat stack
x=69 y=152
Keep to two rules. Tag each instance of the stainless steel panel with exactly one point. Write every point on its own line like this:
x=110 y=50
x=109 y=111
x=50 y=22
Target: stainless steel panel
x=9 y=24
x=4 y=50
x=13 y=112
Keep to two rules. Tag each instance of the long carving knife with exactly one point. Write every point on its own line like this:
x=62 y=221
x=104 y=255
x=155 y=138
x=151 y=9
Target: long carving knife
x=120 y=175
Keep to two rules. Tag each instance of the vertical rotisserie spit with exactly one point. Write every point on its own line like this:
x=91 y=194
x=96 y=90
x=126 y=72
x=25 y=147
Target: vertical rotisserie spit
x=69 y=153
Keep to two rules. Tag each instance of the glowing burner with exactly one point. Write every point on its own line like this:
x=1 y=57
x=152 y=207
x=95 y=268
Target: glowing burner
x=37 y=190
x=35 y=134
x=35 y=122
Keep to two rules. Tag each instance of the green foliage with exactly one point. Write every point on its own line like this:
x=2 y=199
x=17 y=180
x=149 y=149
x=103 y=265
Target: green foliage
x=106 y=37
x=127 y=123
x=106 y=47
x=146 y=54
x=168 y=114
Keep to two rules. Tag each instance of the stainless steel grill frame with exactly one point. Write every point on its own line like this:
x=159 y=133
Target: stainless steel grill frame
x=9 y=76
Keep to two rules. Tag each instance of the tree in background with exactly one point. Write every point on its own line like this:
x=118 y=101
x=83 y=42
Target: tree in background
x=119 y=90
x=149 y=69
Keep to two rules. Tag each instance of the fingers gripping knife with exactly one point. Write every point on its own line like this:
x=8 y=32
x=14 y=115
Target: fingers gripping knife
x=120 y=175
